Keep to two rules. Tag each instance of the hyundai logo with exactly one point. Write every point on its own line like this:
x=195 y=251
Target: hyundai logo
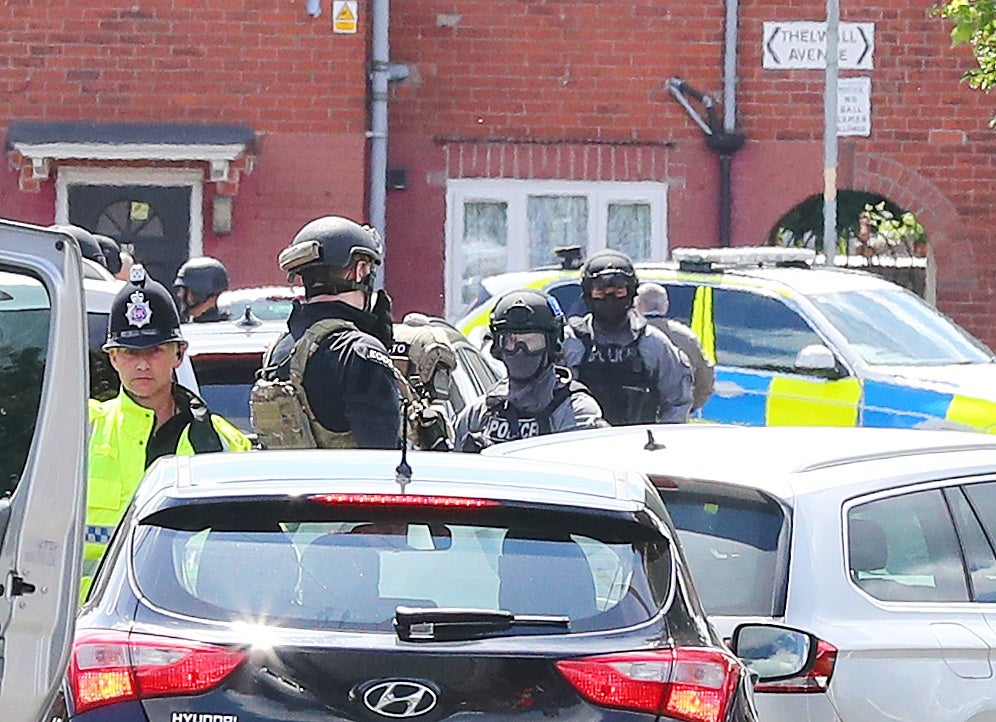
x=399 y=698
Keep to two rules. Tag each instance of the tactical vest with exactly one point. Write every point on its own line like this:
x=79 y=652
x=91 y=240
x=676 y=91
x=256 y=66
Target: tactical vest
x=617 y=376
x=279 y=408
x=504 y=423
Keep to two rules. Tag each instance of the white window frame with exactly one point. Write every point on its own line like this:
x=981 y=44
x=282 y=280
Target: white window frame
x=159 y=177
x=515 y=194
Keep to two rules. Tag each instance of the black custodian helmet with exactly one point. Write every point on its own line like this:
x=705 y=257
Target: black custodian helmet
x=88 y=244
x=611 y=267
x=325 y=247
x=204 y=276
x=143 y=314
x=524 y=311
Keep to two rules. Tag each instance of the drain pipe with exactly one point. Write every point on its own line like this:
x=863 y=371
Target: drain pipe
x=382 y=73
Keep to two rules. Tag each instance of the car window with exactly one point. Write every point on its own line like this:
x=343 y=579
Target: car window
x=568 y=295
x=758 y=332
x=25 y=311
x=225 y=382
x=317 y=566
x=680 y=298
x=894 y=326
x=732 y=548
x=979 y=555
x=904 y=548
x=480 y=375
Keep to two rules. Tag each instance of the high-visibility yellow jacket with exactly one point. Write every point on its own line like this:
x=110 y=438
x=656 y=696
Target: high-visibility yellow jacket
x=120 y=431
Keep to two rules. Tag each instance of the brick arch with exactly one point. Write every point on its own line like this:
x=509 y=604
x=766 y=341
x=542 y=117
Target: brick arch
x=910 y=190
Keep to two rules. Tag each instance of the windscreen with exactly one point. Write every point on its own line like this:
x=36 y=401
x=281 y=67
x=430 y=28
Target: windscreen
x=732 y=548
x=896 y=328
x=315 y=565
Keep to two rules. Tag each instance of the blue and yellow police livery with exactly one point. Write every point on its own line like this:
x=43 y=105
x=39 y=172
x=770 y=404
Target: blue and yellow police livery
x=795 y=344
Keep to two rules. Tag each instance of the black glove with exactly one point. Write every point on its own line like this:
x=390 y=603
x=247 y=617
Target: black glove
x=434 y=431
x=474 y=443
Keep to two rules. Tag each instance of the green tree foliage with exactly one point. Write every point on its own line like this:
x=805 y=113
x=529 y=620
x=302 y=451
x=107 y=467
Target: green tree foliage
x=975 y=24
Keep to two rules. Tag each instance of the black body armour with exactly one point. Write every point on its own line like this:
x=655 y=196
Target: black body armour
x=618 y=378
x=505 y=423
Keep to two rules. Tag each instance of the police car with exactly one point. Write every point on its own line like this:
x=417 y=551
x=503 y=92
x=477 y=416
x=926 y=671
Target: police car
x=804 y=345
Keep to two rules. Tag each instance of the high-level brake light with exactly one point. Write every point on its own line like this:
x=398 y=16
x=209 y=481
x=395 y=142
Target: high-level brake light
x=404 y=500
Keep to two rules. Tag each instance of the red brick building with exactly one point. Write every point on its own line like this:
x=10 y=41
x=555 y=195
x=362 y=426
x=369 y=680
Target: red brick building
x=518 y=128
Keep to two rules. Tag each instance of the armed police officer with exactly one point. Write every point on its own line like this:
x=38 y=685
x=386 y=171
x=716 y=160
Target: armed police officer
x=151 y=416
x=539 y=396
x=329 y=381
x=635 y=372
x=198 y=284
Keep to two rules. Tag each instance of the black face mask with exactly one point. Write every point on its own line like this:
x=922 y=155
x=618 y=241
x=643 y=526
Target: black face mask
x=521 y=366
x=610 y=311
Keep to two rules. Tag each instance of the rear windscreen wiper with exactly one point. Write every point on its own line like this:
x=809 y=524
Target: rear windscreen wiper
x=443 y=624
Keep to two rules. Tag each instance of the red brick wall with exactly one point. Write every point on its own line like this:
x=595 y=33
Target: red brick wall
x=263 y=64
x=575 y=71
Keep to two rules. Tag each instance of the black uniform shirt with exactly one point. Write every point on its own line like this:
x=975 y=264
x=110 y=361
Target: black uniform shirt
x=349 y=380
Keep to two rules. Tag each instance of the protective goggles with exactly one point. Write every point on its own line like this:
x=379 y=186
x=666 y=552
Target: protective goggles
x=531 y=342
x=611 y=280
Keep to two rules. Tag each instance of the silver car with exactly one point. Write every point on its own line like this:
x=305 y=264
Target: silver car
x=43 y=391
x=868 y=554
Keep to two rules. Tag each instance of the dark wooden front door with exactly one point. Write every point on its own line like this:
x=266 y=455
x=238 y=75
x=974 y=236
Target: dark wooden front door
x=154 y=220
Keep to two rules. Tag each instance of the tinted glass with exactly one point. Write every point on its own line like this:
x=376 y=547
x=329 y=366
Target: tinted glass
x=320 y=566
x=225 y=383
x=887 y=326
x=25 y=313
x=979 y=556
x=758 y=332
x=904 y=548
x=104 y=380
x=732 y=548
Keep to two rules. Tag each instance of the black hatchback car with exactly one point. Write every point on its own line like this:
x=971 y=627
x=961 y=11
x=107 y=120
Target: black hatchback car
x=355 y=585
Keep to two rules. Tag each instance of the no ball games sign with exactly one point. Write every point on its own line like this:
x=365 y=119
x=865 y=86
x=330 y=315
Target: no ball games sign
x=803 y=45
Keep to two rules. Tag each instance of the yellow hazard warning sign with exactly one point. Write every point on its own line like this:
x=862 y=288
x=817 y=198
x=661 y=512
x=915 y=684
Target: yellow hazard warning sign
x=344 y=15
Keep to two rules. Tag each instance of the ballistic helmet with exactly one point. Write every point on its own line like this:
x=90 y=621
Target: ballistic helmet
x=326 y=247
x=611 y=268
x=524 y=311
x=111 y=250
x=203 y=276
x=143 y=314
x=88 y=244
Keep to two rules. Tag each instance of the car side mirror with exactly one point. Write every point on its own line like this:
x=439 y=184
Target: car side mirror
x=773 y=652
x=817 y=360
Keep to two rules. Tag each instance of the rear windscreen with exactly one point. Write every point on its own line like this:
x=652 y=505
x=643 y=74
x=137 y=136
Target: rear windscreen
x=732 y=549
x=315 y=565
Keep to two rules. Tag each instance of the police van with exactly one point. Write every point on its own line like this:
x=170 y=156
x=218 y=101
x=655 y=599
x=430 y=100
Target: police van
x=798 y=344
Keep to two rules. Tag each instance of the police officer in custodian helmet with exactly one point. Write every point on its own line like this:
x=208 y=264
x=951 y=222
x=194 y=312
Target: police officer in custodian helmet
x=151 y=416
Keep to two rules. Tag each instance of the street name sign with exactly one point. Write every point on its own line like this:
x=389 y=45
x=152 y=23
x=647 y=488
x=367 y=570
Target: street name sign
x=802 y=45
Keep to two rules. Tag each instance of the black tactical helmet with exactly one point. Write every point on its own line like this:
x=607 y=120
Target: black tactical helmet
x=609 y=266
x=524 y=311
x=88 y=244
x=324 y=248
x=204 y=276
x=143 y=314
x=111 y=250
